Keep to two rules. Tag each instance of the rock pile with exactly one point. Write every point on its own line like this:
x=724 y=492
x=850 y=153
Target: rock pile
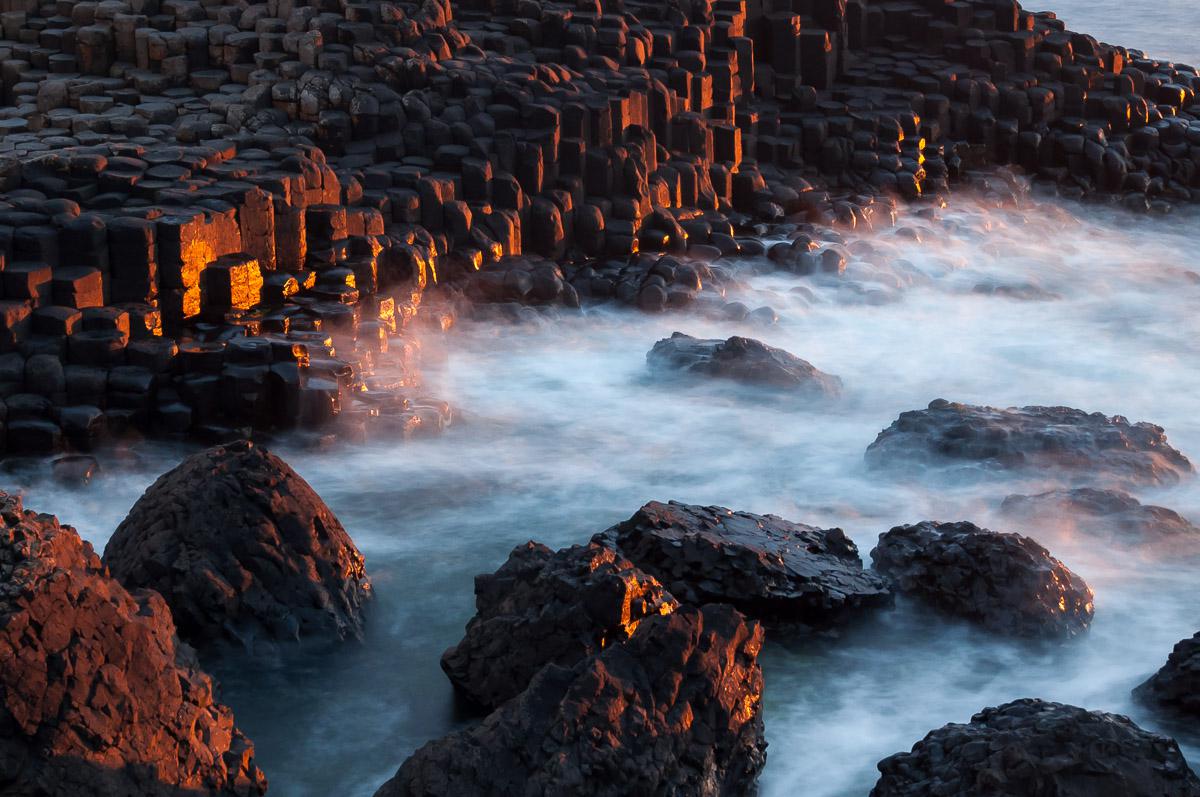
x=97 y=696
x=242 y=549
x=1177 y=683
x=742 y=360
x=1109 y=515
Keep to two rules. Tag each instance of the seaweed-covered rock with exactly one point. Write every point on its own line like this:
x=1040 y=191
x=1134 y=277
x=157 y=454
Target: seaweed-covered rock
x=97 y=695
x=1110 y=515
x=768 y=567
x=675 y=710
x=242 y=548
x=742 y=360
x=543 y=607
x=1177 y=684
x=1033 y=747
x=1005 y=582
x=1057 y=442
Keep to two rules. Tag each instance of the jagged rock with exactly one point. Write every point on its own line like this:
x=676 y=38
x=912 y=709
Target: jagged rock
x=1055 y=441
x=675 y=710
x=742 y=360
x=1005 y=582
x=242 y=548
x=1034 y=747
x=768 y=567
x=1110 y=515
x=97 y=696
x=544 y=607
x=1177 y=683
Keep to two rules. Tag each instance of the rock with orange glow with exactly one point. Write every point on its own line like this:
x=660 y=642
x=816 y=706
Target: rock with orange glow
x=1111 y=515
x=242 y=549
x=768 y=567
x=544 y=607
x=1176 y=685
x=97 y=695
x=743 y=360
x=675 y=710
x=1057 y=443
x=1004 y=582
x=1035 y=747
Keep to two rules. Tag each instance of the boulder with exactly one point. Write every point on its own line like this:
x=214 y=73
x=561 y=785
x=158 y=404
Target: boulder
x=742 y=360
x=1054 y=442
x=242 y=549
x=544 y=607
x=97 y=695
x=1110 y=515
x=675 y=710
x=1177 y=684
x=768 y=567
x=1034 y=747
x=1004 y=582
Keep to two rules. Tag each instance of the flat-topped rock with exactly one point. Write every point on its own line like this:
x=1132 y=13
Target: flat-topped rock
x=742 y=360
x=1176 y=685
x=1034 y=747
x=1055 y=442
x=1004 y=582
x=242 y=549
x=768 y=567
x=545 y=607
x=1109 y=515
x=675 y=710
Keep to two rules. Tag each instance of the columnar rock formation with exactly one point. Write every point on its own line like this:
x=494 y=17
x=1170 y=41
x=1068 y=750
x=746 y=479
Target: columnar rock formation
x=97 y=696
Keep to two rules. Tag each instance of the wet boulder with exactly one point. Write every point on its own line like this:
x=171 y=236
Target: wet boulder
x=675 y=710
x=768 y=567
x=1004 y=582
x=97 y=695
x=1109 y=515
x=1034 y=747
x=1055 y=442
x=742 y=360
x=544 y=607
x=1176 y=685
x=242 y=549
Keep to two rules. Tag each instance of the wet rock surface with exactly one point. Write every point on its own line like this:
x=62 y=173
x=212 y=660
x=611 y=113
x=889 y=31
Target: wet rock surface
x=1176 y=686
x=97 y=695
x=743 y=360
x=1057 y=442
x=545 y=607
x=1005 y=582
x=243 y=550
x=768 y=567
x=675 y=710
x=1109 y=515
x=1032 y=747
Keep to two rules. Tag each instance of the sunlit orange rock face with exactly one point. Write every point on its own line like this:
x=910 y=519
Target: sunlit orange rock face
x=97 y=696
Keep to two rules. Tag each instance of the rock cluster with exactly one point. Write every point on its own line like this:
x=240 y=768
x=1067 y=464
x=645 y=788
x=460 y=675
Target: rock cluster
x=1005 y=582
x=675 y=710
x=768 y=567
x=742 y=360
x=544 y=607
x=1177 y=683
x=97 y=696
x=1034 y=747
x=242 y=549
x=1056 y=442
x=1109 y=515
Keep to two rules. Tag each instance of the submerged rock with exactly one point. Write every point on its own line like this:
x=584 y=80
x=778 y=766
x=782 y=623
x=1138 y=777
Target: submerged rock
x=1005 y=582
x=768 y=567
x=675 y=710
x=544 y=607
x=1054 y=441
x=1033 y=747
x=1111 y=515
x=1177 y=684
x=742 y=360
x=97 y=696
x=242 y=548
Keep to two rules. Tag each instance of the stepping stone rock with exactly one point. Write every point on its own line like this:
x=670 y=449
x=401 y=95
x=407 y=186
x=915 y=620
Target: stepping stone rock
x=742 y=360
x=1176 y=685
x=1109 y=515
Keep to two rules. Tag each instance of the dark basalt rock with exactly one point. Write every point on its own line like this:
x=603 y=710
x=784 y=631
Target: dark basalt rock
x=1111 y=515
x=1054 y=441
x=742 y=360
x=1033 y=747
x=1005 y=582
x=97 y=695
x=544 y=607
x=242 y=548
x=675 y=710
x=1177 y=684
x=768 y=567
